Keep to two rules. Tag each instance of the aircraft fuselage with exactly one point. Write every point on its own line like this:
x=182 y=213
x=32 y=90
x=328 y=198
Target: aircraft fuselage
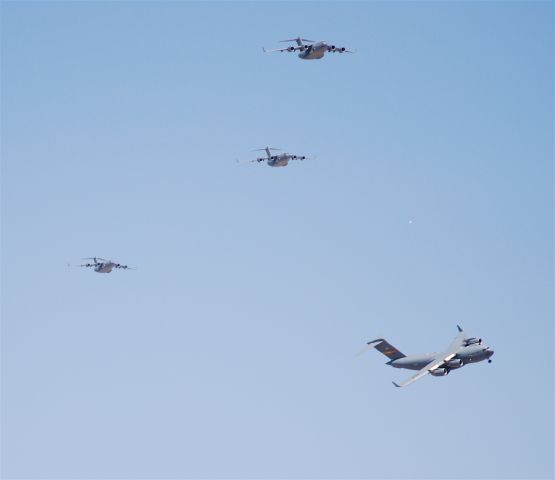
x=314 y=51
x=279 y=160
x=469 y=354
x=104 y=267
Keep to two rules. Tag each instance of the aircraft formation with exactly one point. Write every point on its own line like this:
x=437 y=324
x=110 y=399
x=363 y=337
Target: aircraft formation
x=462 y=351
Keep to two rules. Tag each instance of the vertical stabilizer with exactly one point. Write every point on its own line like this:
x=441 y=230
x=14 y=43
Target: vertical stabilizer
x=386 y=348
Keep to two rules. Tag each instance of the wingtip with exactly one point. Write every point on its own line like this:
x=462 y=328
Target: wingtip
x=397 y=385
x=459 y=328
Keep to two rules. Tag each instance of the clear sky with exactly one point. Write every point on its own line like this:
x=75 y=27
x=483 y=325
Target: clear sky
x=229 y=352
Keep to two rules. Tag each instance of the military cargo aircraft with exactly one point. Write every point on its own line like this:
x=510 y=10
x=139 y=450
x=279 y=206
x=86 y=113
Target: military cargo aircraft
x=101 y=265
x=275 y=160
x=309 y=51
x=462 y=351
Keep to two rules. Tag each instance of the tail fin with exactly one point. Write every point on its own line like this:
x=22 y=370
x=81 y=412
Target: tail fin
x=299 y=40
x=386 y=348
x=267 y=150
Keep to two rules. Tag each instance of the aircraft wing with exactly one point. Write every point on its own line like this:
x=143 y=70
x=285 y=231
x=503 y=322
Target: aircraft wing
x=338 y=50
x=125 y=267
x=457 y=342
x=256 y=160
x=289 y=49
x=441 y=358
x=436 y=362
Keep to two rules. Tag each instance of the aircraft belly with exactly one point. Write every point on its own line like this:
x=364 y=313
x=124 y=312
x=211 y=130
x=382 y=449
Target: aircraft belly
x=313 y=55
x=474 y=358
x=316 y=55
x=410 y=363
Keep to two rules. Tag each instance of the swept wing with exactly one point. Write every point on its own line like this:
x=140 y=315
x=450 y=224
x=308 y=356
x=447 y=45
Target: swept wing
x=451 y=351
x=288 y=49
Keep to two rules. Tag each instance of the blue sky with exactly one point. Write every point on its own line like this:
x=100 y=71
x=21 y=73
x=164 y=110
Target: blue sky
x=229 y=352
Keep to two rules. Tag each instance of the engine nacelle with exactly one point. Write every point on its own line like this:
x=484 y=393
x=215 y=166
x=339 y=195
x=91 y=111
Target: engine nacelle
x=455 y=363
x=302 y=158
x=440 y=372
x=343 y=49
x=291 y=49
x=473 y=341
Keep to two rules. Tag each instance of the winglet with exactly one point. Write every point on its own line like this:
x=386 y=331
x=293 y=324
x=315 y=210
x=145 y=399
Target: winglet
x=263 y=49
x=399 y=386
x=459 y=328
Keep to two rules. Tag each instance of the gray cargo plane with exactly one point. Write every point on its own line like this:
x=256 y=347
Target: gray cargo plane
x=104 y=266
x=462 y=351
x=312 y=51
x=279 y=160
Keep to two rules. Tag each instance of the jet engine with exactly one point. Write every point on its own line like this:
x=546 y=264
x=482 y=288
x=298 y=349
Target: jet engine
x=440 y=372
x=302 y=158
x=343 y=49
x=291 y=49
x=472 y=341
x=456 y=363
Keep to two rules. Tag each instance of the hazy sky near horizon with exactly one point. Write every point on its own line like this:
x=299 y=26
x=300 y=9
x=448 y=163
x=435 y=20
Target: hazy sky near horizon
x=229 y=352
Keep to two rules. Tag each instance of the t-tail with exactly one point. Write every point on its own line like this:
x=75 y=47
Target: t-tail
x=299 y=40
x=383 y=346
x=267 y=150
